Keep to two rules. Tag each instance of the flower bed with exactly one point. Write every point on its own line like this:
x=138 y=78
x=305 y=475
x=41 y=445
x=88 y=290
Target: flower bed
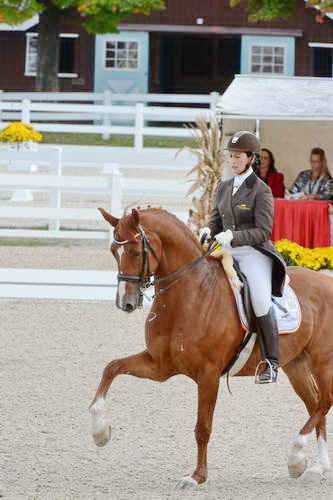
x=296 y=255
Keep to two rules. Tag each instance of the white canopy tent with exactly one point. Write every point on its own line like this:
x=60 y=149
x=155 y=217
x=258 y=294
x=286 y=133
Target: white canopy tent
x=291 y=115
x=278 y=98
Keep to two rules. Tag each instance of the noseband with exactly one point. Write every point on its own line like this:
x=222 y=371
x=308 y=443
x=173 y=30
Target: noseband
x=144 y=278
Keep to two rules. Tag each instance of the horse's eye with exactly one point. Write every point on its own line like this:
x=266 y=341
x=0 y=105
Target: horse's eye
x=133 y=253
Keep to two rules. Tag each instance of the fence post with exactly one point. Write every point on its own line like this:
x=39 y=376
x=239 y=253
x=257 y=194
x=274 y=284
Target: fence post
x=55 y=160
x=116 y=190
x=106 y=116
x=116 y=194
x=138 y=132
x=55 y=193
x=26 y=111
x=214 y=97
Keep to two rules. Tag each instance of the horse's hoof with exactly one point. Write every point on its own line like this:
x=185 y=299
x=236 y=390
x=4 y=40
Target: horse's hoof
x=296 y=470
x=313 y=475
x=186 y=482
x=102 y=438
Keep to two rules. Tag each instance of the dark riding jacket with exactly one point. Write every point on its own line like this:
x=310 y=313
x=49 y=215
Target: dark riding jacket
x=249 y=215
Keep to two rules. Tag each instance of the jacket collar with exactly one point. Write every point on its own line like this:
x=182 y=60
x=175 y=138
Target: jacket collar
x=244 y=188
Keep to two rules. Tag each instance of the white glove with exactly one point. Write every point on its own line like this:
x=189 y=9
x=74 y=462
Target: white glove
x=224 y=238
x=204 y=234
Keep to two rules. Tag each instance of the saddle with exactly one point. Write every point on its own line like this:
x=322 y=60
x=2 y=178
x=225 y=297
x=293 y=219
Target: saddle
x=286 y=308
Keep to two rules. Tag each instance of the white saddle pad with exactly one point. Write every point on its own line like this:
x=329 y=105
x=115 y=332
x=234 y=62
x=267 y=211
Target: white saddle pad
x=286 y=308
x=288 y=314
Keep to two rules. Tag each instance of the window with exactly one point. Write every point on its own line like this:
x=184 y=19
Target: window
x=31 y=54
x=122 y=54
x=267 y=59
x=66 y=55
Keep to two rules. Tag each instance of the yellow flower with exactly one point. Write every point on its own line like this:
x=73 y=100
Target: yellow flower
x=316 y=258
x=19 y=132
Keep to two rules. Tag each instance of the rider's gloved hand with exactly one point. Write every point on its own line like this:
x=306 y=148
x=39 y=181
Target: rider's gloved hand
x=204 y=234
x=224 y=238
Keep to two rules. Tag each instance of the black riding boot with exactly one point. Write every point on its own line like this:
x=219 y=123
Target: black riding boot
x=269 y=343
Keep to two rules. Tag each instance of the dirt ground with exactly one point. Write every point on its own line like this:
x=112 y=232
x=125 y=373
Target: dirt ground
x=52 y=355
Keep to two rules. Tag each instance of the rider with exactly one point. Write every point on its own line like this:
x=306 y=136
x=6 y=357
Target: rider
x=241 y=222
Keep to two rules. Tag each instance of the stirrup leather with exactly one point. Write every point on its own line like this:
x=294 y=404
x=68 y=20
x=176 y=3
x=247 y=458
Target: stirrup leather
x=272 y=377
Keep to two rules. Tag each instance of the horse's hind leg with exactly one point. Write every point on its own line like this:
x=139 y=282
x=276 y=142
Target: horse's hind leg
x=301 y=379
x=318 y=401
x=139 y=365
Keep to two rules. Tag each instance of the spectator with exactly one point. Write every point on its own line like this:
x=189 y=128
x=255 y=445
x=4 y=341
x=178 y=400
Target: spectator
x=316 y=183
x=268 y=173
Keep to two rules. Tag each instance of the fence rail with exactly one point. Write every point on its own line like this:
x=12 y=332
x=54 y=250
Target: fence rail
x=113 y=185
x=107 y=97
x=103 y=118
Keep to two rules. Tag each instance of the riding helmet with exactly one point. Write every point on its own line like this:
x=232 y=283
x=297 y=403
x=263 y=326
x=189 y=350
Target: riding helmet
x=244 y=142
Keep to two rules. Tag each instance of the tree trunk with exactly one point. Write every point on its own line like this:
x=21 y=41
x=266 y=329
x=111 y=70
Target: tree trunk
x=48 y=49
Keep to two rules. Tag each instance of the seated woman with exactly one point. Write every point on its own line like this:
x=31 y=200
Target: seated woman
x=316 y=183
x=268 y=173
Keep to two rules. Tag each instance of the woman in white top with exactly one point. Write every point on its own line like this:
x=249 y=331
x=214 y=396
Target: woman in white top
x=316 y=183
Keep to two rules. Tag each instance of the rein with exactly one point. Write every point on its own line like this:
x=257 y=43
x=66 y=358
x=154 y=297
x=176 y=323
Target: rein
x=144 y=278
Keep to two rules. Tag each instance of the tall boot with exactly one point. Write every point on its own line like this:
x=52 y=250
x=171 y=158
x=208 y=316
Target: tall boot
x=269 y=343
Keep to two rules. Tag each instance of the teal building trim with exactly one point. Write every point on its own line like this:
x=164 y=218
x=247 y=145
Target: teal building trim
x=119 y=80
x=287 y=42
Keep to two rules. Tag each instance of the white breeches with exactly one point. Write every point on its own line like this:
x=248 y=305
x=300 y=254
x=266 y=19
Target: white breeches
x=257 y=268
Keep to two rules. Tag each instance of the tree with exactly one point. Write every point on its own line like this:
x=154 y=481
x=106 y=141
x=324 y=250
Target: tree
x=97 y=16
x=267 y=10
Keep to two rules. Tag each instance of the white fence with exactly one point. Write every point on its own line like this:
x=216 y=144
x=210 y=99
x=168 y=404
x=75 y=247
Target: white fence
x=114 y=185
x=28 y=108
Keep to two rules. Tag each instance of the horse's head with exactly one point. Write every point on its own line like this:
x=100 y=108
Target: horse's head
x=137 y=252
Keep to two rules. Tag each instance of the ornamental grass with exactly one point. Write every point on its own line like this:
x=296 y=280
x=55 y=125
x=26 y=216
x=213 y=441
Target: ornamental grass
x=20 y=132
x=296 y=255
x=207 y=171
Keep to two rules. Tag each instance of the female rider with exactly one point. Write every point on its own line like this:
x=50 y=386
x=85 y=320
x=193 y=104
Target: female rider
x=241 y=222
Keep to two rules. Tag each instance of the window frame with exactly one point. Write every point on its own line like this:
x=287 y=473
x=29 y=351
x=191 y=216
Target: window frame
x=272 y=46
x=27 y=71
x=121 y=39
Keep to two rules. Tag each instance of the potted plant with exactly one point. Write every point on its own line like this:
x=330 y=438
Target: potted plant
x=20 y=136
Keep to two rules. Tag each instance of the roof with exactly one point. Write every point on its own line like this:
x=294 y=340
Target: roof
x=276 y=98
x=26 y=25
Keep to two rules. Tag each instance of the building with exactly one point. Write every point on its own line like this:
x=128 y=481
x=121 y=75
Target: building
x=190 y=47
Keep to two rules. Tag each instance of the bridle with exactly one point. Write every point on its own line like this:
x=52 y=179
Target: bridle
x=144 y=280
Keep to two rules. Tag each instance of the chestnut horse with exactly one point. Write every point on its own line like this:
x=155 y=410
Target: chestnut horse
x=193 y=329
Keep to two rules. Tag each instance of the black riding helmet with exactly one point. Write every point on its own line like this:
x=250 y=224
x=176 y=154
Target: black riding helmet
x=244 y=142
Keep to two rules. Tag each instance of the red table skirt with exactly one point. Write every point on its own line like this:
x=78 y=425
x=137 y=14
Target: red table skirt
x=305 y=222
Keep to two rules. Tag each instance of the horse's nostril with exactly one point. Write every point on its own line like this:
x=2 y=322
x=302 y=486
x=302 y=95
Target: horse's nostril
x=129 y=308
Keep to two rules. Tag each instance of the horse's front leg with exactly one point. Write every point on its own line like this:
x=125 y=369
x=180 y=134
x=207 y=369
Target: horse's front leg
x=208 y=386
x=139 y=365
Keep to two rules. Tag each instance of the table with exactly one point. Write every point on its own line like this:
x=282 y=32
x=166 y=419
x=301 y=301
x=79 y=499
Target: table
x=305 y=222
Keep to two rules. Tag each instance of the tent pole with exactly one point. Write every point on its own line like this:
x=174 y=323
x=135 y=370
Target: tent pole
x=257 y=128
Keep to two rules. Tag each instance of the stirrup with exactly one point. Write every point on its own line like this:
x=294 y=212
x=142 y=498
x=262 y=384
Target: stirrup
x=271 y=370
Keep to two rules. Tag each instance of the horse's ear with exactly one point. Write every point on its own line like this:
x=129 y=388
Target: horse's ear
x=112 y=220
x=136 y=217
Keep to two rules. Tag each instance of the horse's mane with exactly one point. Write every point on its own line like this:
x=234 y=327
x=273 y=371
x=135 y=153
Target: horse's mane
x=173 y=221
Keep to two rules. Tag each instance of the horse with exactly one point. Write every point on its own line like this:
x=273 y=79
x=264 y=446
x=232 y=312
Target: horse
x=193 y=329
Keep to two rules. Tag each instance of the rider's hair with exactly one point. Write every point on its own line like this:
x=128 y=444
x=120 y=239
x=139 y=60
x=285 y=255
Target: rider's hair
x=321 y=153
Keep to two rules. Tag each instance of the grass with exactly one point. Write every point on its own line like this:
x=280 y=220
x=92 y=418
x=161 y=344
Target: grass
x=117 y=140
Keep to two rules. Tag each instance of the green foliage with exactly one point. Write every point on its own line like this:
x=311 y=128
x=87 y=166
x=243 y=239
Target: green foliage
x=98 y=16
x=267 y=10
x=16 y=11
